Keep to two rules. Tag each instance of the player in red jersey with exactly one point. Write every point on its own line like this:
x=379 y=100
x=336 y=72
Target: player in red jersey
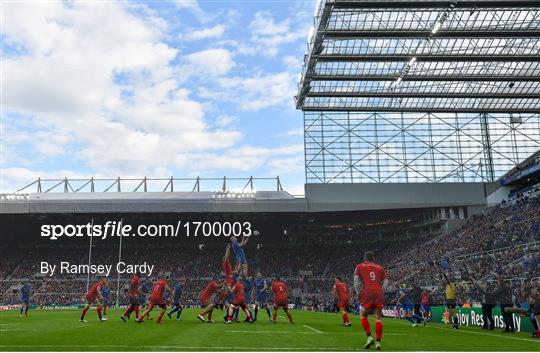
x=133 y=295
x=157 y=298
x=369 y=280
x=205 y=297
x=341 y=292
x=94 y=295
x=425 y=305
x=239 y=301
x=281 y=299
x=227 y=268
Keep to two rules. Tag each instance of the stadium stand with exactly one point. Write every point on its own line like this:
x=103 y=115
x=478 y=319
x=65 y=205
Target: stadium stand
x=503 y=240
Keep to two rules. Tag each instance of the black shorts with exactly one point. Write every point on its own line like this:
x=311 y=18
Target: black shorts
x=417 y=308
x=451 y=303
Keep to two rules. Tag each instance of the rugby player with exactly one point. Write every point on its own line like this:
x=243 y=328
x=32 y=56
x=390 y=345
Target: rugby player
x=178 y=307
x=106 y=294
x=261 y=296
x=157 y=298
x=369 y=281
x=227 y=268
x=144 y=297
x=425 y=305
x=281 y=299
x=133 y=295
x=239 y=300
x=405 y=301
x=25 y=292
x=205 y=298
x=94 y=296
x=241 y=260
x=340 y=291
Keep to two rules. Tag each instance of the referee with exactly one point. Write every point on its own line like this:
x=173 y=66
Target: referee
x=450 y=294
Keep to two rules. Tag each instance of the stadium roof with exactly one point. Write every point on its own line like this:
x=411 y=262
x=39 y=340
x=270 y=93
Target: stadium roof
x=423 y=56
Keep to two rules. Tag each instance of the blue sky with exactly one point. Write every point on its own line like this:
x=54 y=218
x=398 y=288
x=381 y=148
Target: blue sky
x=156 y=88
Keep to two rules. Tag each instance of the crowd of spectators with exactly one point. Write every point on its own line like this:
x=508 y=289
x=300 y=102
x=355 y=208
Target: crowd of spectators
x=503 y=241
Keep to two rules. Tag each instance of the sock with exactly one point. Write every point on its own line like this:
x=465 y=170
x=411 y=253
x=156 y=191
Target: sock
x=250 y=313
x=235 y=314
x=229 y=318
x=26 y=311
x=268 y=312
x=275 y=315
x=289 y=316
x=256 y=311
x=345 y=317
x=175 y=309
x=99 y=311
x=160 y=316
x=418 y=318
x=365 y=325
x=209 y=316
x=455 y=320
x=136 y=311
x=178 y=314
x=84 y=313
x=128 y=311
x=22 y=308
x=408 y=318
x=378 y=330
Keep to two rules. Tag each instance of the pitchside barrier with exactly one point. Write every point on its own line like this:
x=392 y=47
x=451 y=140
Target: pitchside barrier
x=466 y=316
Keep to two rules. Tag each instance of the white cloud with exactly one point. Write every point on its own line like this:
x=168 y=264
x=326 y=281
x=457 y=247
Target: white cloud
x=225 y=120
x=268 y=34
x=211 y=61
x=104 y=78
x=272 y=161
x=213 y=32
x=97 y=85
x=261 y=91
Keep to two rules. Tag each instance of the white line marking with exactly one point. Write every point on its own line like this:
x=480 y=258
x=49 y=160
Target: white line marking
x=311 y=328
x=320 y=332
x=271 y=332
x=235 y=348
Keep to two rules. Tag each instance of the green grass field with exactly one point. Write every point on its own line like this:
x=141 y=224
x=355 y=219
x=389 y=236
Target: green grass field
x=61 y=331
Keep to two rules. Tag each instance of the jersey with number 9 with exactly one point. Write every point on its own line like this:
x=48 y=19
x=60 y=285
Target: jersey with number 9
x=372 y=275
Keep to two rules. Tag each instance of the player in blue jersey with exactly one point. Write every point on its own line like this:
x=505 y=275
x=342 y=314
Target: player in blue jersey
x=106 y=294
x=261 y=296
x=238 y=249
x=177 y=293
x=406 y=303
x=25 y=292
x=145 y=294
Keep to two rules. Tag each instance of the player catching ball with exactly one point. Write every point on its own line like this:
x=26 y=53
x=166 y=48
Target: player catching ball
x=241 y=260
x=94 y=296
x=369 y=280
